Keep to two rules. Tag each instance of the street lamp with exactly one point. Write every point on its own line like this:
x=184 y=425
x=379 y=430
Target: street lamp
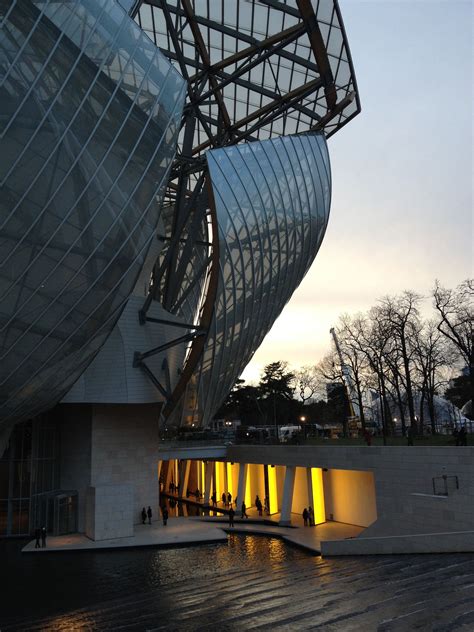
x=303 y=419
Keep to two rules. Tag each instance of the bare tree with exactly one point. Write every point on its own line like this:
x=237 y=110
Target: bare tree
x=401 y=317
x=456 y=313
x=329 y=369
x=307 y=381
x=355 y=361
x=433 y=352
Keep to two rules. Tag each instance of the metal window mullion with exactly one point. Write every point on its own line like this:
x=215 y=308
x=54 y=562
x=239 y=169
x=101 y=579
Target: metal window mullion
x=147 y=242
x=119 y=175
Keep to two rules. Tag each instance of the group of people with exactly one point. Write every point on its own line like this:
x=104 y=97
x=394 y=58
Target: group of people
x=40 y=534
x=262 y=507
x=147 y=513
x=173 y=488
x=226 y=499
x=308 y=517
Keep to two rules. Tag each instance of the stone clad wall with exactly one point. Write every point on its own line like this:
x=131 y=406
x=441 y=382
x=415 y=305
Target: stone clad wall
x=125 y=452
x=403 y=481
x=109 y=512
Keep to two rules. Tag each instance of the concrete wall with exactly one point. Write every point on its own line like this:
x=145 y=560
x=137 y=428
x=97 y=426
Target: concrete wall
x=451 y=542
x=300 y=491
x=350 y=497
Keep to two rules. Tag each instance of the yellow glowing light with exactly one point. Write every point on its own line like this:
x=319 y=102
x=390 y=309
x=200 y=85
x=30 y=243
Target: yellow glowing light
x=217 y=479
x=318 y=495
x=203 y=478
x=248 y=493
x=272 y=489
x=230 y=482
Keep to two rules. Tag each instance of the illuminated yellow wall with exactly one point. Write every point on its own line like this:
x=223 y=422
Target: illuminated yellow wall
x=318 y=495
x=350 y=496
x=273 y=489
x=202 y=477
x=248 y=490
x=230 y=479
x=280 y=477
x=256 y=480
x=220 y=485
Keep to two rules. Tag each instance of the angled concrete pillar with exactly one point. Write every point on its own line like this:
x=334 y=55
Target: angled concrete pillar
x=185 y=479
x=159 y=474
x=207 y=488
x=169 y=474
x=288 y=486
x=243 y=469
x=181 y=477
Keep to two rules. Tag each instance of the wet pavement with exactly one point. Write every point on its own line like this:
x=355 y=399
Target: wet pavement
x=250 y=583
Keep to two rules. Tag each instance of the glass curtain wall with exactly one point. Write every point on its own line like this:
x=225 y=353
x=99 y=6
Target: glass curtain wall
x=28 y=476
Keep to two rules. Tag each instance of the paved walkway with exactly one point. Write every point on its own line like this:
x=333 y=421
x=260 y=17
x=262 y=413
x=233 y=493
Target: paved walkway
x=189 y=531
x=178 y=532
x=306 y=537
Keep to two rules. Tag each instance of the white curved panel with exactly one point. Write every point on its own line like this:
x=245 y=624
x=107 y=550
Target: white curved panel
x=272 y=201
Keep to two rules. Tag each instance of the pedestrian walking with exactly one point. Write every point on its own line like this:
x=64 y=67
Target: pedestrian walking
x=311 y=516
x=165 y=515
x=149 y=514
x=143 y=515
x=214 y=499
x=258 y=505
x=244 y=511
x=305 y=517
x=266 y=506
x=231 y=517
x=37 y=536
x=43 y=537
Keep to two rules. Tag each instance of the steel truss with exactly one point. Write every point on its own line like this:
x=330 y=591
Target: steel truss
x=290 y=72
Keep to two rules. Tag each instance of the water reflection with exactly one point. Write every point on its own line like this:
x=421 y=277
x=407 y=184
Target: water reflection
x=251 y=581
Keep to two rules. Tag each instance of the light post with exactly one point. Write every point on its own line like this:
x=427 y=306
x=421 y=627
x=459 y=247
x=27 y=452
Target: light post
x=303 y=420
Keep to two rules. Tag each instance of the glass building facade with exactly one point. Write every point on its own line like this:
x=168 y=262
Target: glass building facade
x=90 y=113
x=29 y=476
x=272 y=201
x=198 y=128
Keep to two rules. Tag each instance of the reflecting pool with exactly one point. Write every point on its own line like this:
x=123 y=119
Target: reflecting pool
x=249 y=583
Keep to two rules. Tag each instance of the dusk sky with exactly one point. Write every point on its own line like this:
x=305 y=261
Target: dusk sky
x=401 y=213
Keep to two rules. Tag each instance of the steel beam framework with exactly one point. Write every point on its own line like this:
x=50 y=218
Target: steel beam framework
x=255 y=69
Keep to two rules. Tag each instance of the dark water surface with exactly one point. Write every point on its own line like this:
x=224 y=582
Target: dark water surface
x=250 y=583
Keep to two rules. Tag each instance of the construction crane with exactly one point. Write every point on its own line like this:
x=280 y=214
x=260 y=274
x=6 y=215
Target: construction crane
x=353 y=418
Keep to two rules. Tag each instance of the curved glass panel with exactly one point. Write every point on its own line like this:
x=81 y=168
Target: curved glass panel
x=88 y=129
x=272 y=201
